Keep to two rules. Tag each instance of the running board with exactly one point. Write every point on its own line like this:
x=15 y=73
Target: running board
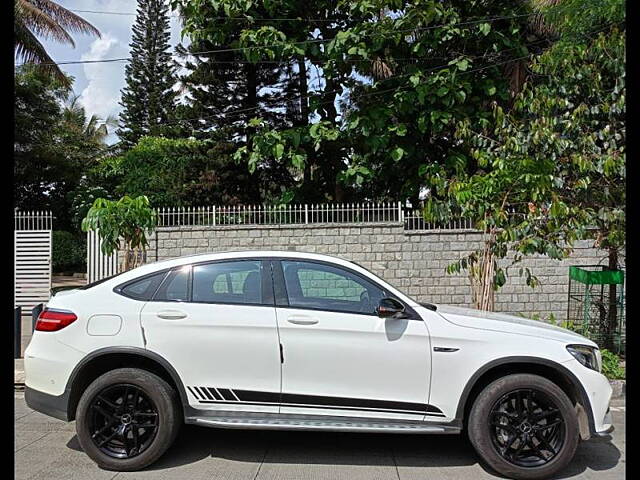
x=333 y=425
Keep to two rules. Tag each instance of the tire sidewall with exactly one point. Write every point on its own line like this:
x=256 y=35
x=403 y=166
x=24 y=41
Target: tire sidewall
x=480 y=432
x=169 y=421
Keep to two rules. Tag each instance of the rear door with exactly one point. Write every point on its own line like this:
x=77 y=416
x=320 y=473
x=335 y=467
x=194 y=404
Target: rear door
x=340 y=357
x=215 y=323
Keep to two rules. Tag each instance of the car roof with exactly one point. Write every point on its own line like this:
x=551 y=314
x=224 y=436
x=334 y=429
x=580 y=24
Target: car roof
x=204 y=257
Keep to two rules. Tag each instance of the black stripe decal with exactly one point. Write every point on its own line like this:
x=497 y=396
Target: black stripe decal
x=215 y=393
x=352 y=402
x=226 y=394
x=206 y=392
x=404 y=412
x=253 y=396
x=197 y=389
x=315 y=401
x=193 y=393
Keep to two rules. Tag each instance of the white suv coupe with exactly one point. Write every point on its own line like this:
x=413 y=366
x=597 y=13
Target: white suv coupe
x=299 y=341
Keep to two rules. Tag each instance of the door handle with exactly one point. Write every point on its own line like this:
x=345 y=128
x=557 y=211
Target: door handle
x=171 y=314
x=302 y=320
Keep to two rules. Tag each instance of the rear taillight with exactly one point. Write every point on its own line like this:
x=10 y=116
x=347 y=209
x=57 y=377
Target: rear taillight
x=54 y=320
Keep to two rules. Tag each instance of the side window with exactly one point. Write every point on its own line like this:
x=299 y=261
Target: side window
x=144 y=288
x=175 y=287
x=325 y=287
x=228 y=282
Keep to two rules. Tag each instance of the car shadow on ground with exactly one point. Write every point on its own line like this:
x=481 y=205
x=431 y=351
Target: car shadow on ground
x=332 y=448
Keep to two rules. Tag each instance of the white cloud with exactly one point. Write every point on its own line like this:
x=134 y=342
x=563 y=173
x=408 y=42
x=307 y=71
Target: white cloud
x=104 y=80
x=99 y=84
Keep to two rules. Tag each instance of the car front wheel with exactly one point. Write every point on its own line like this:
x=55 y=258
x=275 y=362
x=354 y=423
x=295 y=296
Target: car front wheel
x=127 y=418
x=524 y=427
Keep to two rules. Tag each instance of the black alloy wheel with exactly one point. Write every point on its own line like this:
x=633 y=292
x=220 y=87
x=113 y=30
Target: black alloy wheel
x=527 y=428
x=123 y=421
x=127 y=418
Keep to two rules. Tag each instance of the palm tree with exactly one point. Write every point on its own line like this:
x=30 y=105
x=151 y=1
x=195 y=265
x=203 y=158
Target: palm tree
x=94 y=129
x=48 y=20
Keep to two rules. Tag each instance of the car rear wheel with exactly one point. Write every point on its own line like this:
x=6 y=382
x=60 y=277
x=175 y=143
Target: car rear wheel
x=127 y=418
x=524 y=427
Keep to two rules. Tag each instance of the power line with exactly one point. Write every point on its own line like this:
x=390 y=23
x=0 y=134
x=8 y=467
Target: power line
x=287 y=19
x=284 y=44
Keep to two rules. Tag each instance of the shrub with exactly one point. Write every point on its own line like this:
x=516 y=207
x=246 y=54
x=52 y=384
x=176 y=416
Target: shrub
x=611 y=367
x=69 y=252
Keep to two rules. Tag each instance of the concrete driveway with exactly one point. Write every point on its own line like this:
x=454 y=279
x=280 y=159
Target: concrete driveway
x=46 y=448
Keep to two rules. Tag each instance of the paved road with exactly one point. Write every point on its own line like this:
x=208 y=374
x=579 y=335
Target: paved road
x=46 y=448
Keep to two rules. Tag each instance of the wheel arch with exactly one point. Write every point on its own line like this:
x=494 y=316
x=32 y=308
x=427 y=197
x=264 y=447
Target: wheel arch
x=549 y=369
x=105 y=359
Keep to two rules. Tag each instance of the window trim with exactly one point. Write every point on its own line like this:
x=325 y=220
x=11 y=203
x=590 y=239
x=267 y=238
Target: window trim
x=280 y=286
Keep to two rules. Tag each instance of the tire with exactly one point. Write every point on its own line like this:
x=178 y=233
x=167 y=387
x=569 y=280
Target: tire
x=141 y=428
x=524 y=446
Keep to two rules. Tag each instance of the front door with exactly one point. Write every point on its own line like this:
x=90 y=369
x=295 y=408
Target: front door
x=215 y=323
x=340 y=357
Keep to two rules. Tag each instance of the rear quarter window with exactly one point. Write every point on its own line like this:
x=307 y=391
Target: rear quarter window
x=143 y=288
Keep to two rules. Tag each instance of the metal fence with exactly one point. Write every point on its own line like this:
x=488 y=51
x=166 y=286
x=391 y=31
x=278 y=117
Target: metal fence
x=32 y=258
x=304 y=214
x=32 y=220
x=99 y=265
x=414 y=221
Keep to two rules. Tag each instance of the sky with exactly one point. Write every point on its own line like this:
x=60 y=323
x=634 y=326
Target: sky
x=99 y=85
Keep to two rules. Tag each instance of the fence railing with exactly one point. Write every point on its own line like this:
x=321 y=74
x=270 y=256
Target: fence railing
x=414 y=221
x=282 y=214
x=302 y=214
x=32 y=220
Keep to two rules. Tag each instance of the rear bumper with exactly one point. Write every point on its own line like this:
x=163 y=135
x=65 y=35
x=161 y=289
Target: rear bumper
x=52 y=405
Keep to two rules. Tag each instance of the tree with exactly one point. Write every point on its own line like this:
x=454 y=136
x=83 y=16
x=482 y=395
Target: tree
x=553 y=168
x=48 y=20
x=54 y=143
x=184 y=172
x=123 y=223
x=395 y=79
x=148 y=97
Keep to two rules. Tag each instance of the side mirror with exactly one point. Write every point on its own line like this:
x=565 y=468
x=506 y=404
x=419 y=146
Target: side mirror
x=390 y=307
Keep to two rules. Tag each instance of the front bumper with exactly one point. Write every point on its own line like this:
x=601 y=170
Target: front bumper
x=56 y=406
x=598 y=391
x=608 y=420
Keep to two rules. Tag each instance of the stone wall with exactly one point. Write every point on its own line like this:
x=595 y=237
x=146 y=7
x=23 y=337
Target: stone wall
x=412 y=261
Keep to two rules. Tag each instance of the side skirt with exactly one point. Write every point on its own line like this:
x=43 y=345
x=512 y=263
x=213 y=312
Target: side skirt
x=274 y=421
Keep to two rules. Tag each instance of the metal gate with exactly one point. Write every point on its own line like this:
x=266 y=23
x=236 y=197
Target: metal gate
x=32 y=258
x=99 y=265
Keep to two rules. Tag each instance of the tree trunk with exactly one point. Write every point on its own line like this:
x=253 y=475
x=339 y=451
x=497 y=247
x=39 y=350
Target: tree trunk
x=252 y=101
x=304 y=120
x=334 y=163
x=482 y=275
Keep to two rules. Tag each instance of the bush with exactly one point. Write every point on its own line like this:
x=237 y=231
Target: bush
x=611 y=366
x=69 y=252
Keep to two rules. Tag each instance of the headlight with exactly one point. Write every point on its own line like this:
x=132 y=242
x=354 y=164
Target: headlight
x=588 y=356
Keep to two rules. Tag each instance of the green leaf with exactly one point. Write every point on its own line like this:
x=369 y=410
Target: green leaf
x=278 y=150
x=397 y=153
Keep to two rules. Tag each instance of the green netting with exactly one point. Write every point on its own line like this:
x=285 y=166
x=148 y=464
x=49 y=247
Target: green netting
x=596 y=306
x=596 y=277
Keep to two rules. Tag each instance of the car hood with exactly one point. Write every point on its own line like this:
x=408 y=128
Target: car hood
x=502 y=322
